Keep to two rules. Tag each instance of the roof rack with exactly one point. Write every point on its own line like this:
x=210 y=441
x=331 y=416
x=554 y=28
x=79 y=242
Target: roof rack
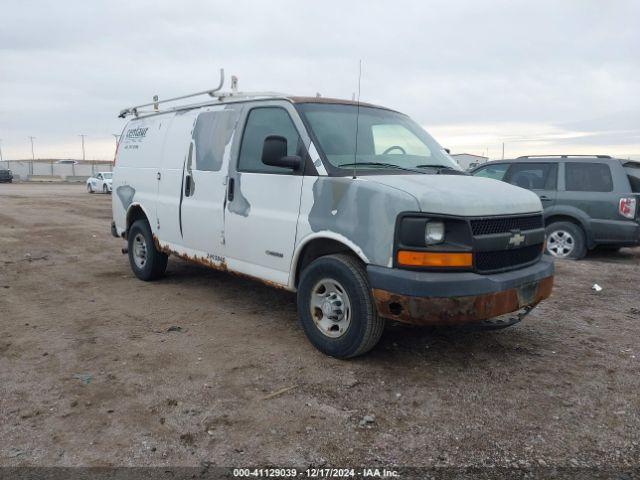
x=564 y=156
x=214 y=92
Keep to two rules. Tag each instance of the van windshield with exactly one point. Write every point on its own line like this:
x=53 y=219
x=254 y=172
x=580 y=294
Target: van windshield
x=386 y=139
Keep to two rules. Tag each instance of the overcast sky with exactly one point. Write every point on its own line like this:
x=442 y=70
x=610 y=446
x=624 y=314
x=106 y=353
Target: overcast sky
x=543 y=76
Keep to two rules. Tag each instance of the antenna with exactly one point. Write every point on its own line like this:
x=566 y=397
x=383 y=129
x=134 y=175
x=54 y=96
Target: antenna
x=355 y=151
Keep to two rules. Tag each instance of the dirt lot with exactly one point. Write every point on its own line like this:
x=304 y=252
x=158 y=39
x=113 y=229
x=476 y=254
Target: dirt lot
x=91 y=375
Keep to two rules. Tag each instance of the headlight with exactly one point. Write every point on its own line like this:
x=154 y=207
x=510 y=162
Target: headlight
x=434 y=233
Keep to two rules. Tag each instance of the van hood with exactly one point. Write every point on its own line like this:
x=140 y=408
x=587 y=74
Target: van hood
x=462 y=195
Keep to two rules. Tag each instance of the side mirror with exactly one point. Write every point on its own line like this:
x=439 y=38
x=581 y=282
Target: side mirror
x=274 y=153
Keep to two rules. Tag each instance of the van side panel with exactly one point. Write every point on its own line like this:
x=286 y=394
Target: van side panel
x=135 y=175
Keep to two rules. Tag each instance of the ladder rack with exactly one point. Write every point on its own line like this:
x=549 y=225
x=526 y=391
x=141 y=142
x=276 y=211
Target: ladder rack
x=214 y=92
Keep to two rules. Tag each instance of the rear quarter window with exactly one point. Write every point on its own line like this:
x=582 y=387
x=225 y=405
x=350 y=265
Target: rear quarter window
x=588 y=177
x=633 y=174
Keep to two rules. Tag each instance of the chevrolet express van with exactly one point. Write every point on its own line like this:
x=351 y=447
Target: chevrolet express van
x=353 y=206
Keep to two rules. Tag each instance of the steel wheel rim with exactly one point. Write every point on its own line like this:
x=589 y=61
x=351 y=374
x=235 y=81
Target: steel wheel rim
x=139 y=251
x=330 y=308
x=561 y=243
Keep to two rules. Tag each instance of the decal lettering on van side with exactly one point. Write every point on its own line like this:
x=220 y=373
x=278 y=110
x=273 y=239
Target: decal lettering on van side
x=137 y=133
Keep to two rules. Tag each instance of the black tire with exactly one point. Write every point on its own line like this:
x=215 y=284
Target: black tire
x=578 y=240
x=365 y=326
x=104 y=189
x=155 y=262
x=89 y=188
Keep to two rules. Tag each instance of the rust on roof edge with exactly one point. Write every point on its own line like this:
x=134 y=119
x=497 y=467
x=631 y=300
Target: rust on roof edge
x=336 y=101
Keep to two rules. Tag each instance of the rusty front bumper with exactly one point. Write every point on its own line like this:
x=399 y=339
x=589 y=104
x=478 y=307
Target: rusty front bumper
x=459 y=310
x=457 y=298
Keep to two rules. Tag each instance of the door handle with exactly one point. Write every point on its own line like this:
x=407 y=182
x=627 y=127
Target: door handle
x=230 y=189
x=187 y=185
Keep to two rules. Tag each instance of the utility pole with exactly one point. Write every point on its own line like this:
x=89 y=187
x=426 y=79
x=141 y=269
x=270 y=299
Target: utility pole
x=33 y=156
x=502 y=150
x=73 y=165
x=82 y=136
x=1 y=158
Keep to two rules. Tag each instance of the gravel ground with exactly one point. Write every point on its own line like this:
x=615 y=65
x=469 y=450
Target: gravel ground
x=98 y=368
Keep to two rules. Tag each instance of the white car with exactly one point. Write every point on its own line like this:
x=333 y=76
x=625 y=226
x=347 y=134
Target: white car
x=101 y=182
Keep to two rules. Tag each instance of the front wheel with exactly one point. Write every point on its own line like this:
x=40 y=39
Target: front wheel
x=146 y=261
x=89 y=188
x=566 y=240
x=336 y=309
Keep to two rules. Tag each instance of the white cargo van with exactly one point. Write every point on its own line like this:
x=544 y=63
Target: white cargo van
x=353 y=206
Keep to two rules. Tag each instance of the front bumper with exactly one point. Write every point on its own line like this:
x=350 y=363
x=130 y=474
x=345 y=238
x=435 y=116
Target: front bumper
x=451 y=298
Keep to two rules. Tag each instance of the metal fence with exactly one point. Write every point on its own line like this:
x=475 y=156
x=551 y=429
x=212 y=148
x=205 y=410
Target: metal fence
x=41 y=169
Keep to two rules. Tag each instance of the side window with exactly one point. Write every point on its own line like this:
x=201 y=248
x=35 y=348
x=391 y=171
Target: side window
x=588 y=177
x=533 y=176
x=492 y=171
x=212 y=132
x=99 y=176
x=262 y=122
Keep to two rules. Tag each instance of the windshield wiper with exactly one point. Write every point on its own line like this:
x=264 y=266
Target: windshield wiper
x=425 y=165
x=380 y=164
x=439 y=168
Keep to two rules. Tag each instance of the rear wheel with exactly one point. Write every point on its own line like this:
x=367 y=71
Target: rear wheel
x=566 y=240
x=336 y=309
x=146 y=261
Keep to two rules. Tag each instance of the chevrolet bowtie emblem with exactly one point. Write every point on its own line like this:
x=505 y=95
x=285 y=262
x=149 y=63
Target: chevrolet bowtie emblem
x=516 y=239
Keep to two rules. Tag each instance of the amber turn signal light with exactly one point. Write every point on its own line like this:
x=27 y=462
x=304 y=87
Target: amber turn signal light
x=434 y=259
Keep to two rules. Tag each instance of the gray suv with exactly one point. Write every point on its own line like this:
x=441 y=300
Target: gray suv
x=589 y=201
